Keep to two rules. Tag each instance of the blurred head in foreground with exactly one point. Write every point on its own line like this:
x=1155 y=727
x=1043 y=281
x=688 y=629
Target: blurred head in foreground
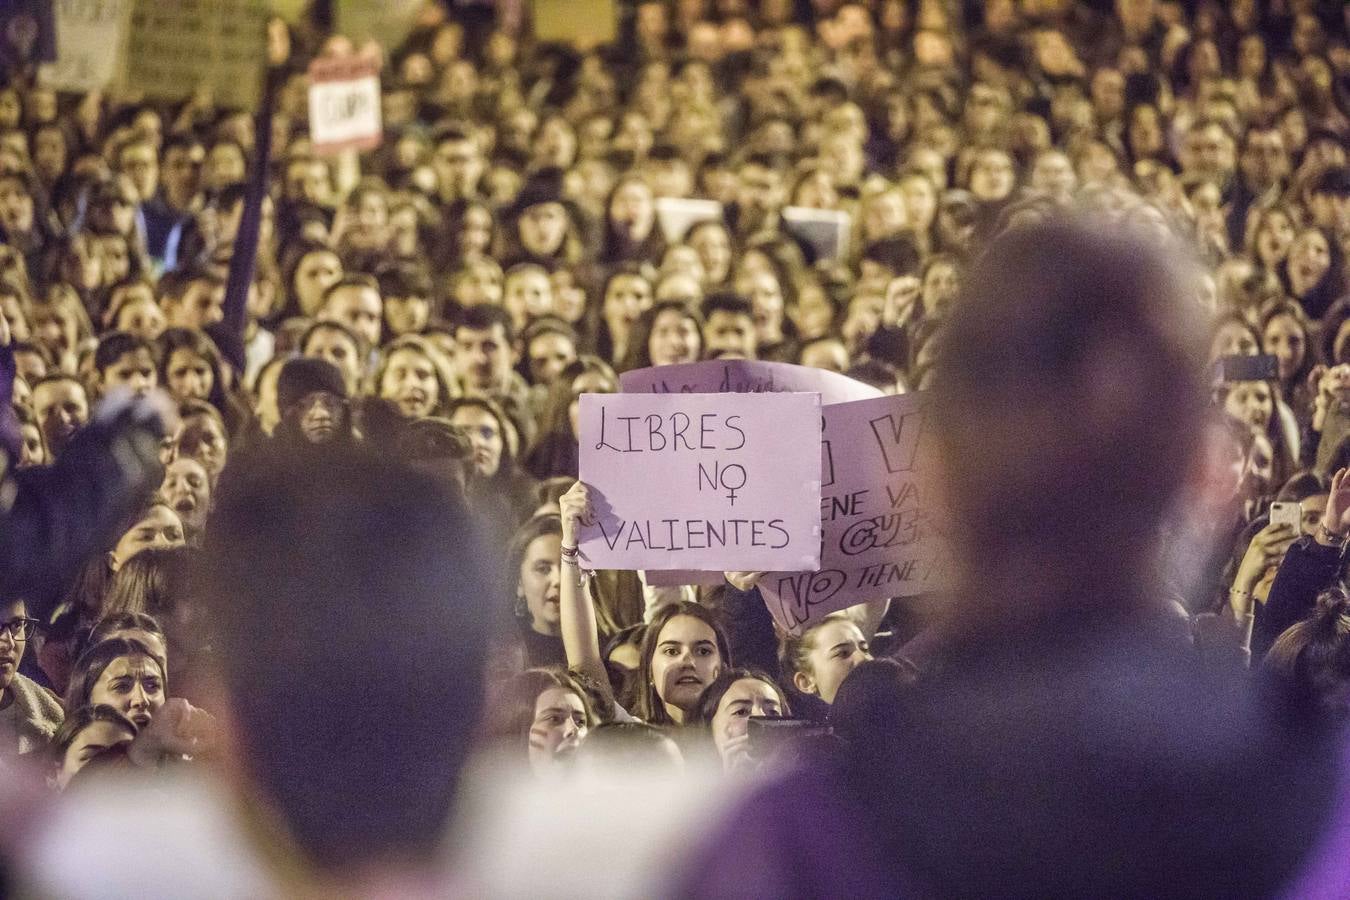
x=349 y=612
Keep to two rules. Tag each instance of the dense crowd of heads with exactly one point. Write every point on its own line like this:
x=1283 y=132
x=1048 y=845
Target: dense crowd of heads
x=524 y=233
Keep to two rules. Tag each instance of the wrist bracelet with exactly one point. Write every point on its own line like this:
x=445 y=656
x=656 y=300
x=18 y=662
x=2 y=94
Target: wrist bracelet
x=1326 y=535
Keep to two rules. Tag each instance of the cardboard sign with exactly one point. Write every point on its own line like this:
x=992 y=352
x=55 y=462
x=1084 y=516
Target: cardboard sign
x=581 y=23
x=745 y=376
x=175 y=50
x=825 y=231
x=344 y=105
x=677 y=215
x=90 y=35
x=701 y=481
x=876 y=517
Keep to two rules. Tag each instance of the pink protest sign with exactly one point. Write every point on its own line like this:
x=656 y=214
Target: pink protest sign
x=745 y=376
x=876 y=516
x=702 y=481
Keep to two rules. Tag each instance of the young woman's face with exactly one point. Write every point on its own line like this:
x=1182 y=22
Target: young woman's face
x=142 y=317
x=714 y=247
x=1233 y=339
x=585 y=383
x=766 y=297
x=1250 y=403
x=485 y=435
x=188 y=376
x=132 y=685
x=539 y=582
x=674 y=339
x=1286 y=340
x=543 y=227
x=1274 y=239
x=16 y=207
x=187 y=491
x=529 y=295
x=632 y=211
x=314 y=275
x=92 y=740
x=160 y=527
x=626 y=298
x=410 y=381
x=210 y=445
x=731 y=723
x=686 y=661
x=475 y=231
x=921 y=202
x=837 y=649
x=481 y=284
x=559 y=726
x=1309 y=259
x=548 y=354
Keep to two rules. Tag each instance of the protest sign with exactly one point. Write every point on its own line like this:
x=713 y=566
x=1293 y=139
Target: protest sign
x=676 y=215
x=824 y=231
x=744 y=376
x=175 y=50
x=701 y=481
x=386 y=22
x=582 y=23
x=344 y=104
x=876 y=516
x=89 y=40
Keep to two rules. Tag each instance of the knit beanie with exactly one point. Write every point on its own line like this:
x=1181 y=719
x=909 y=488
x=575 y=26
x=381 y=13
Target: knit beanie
x=303 y=376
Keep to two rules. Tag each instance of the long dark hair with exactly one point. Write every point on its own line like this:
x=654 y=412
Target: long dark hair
x=650 y=707
x=639 y=354
x=89 y=667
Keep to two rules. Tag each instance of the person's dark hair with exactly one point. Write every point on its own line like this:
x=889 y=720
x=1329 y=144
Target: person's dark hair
x=650 y=707
x=713 y=693
x=286 y=578
x=878 y=373
x=1313 y=656
x=871 y=697
x=358 y=341
x=116 y=344
x=899 y=254
x=639 y=342
x=78 y=720
x=483 y=317
x=89 y=667
x=114 y=621
x=403 y=279
x=150 y=582
x=1301 y=485
x=351 y=280
x=727 y=302
x=627 y=746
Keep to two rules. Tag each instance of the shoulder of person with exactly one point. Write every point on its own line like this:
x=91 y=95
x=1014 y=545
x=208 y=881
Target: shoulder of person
x=38 y=711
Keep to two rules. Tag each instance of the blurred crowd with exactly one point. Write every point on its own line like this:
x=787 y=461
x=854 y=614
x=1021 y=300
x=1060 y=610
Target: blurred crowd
x=526 y=231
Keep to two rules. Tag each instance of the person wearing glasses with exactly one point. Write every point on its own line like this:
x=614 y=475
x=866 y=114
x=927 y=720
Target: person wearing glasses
x=29 y=713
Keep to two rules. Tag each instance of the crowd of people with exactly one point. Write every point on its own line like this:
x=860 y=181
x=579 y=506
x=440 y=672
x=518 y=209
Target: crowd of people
x=343 y=339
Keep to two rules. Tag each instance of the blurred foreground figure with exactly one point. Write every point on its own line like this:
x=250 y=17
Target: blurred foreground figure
x=1067 y=741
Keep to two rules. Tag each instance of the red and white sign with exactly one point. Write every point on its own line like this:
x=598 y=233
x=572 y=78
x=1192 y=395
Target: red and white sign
x=344 y=104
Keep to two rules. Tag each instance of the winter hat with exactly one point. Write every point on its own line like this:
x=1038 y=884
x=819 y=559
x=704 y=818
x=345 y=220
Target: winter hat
x=303 y=376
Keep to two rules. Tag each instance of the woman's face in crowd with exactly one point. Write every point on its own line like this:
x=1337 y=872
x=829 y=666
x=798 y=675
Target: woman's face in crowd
x=1234 y=339
x=674 y=339
x=225 y=165
x=813 y=314
x=132 y=685
x=766 y=297
x=410 y=381
x=529 y=295
x=1250 y=403
x=632 y=210
x=585 y=383
x=485 y=435
x=187 y=491
x=1286 y=340
x=1309 y=259
x=548 y=354
x=543 y=227
x=1274 y=238
x=626 y=298
x=189 y=376
x=731 y=723
x=686 y=661
x=11 y=309
x=992 y=176
x=475 y=231
x=91 y=740
x=480 y=284
x=540 y=571
x=714 y=248
x=33 y=452
x=921 y=202
x=160 y=527
x=569 y=299
x=314 y=275
x=559 y=726
x=837 y=649
x=1312 y=509
x=209 y=445
x=142 y=317
x=16 y=207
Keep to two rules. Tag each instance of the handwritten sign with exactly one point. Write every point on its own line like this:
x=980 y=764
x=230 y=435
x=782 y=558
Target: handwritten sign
x=176 y=49
x=745 y=376
x=344 y=104
x=89 y=38
x=875 y=516
x=702 y=481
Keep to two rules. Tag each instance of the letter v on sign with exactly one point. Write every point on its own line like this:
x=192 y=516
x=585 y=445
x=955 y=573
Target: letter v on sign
x=898 y=440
